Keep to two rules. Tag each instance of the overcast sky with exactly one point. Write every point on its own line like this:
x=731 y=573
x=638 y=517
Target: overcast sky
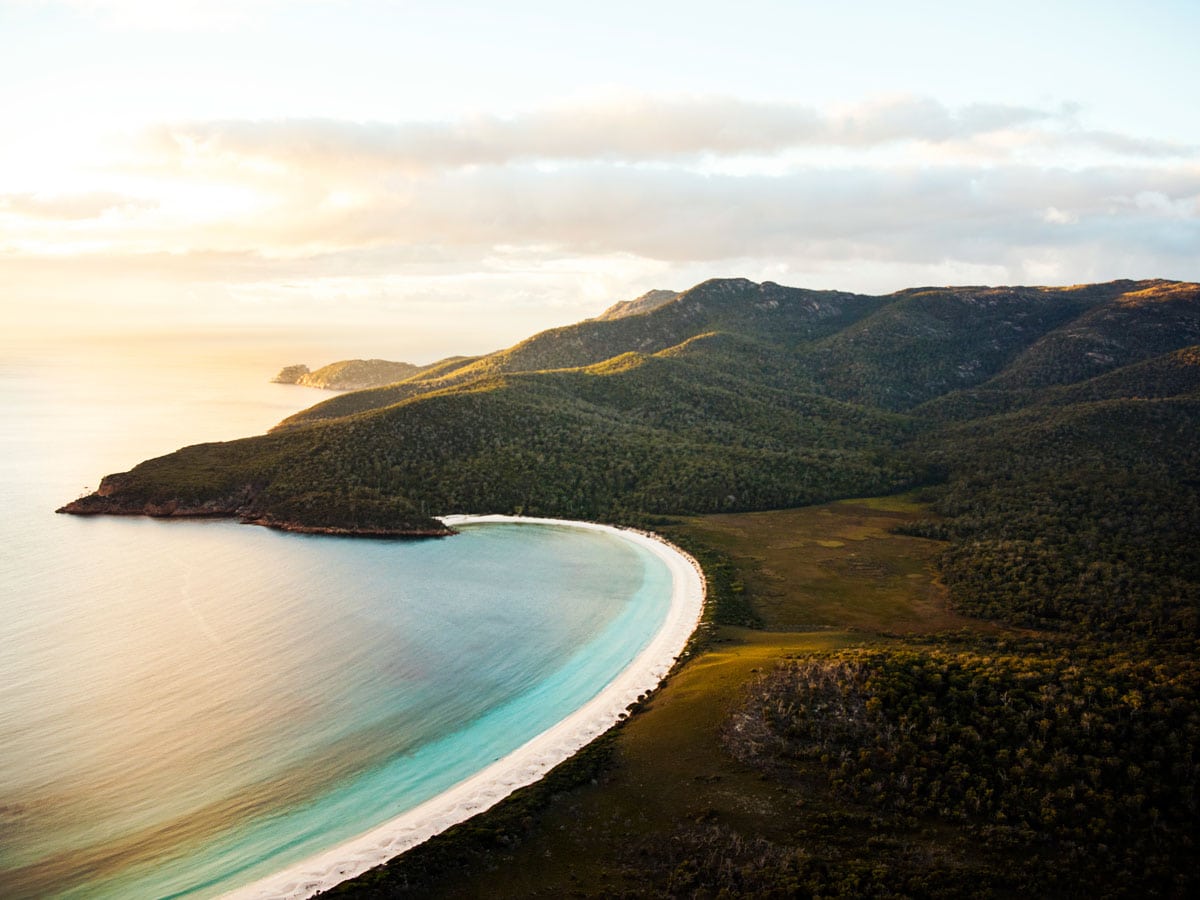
x=421 y=179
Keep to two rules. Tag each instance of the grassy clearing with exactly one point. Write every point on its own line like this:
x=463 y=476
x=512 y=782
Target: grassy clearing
x=820 y=578
x=837 y=566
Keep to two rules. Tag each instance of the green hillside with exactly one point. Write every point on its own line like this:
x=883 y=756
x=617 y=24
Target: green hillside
x=740 y=396
x=1081 y=515
x=636 y=435
x=930 y=342
x=1134 y=326
x=986 y=686
x=778 y=318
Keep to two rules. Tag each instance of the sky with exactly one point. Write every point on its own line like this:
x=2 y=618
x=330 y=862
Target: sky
x=412 y=180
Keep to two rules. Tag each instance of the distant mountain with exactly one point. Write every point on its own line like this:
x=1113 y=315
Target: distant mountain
x=352 y=374
x=1054 y=427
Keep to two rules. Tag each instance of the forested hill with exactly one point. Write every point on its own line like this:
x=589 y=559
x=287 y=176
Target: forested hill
x=776 y=316
x=1054 y=426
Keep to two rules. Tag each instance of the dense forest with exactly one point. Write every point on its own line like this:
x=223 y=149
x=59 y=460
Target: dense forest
x=1080 y=758
x=1050 y=433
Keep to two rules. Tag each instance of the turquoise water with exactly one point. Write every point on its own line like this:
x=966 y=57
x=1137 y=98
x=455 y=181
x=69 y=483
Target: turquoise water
x=187 y=706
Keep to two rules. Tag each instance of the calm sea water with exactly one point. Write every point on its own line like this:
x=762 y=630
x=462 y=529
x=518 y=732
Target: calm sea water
x=186 y=706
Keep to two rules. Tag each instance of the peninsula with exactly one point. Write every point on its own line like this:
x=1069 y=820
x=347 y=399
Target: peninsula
x=349 y=374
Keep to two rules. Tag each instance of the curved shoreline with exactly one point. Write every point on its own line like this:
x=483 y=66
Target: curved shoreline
x=527 y=763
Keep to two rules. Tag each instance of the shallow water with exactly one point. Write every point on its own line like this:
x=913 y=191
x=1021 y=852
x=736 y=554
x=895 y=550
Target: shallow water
x=185 y=706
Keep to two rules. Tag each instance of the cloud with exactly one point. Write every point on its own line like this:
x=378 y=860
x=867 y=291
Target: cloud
x=372 y=211
x=925 y=119
x=461 y=220
x=914 y=214
x=69 y=207
x=636 y=130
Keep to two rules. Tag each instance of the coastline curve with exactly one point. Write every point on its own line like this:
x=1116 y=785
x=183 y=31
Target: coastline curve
x=529 y=762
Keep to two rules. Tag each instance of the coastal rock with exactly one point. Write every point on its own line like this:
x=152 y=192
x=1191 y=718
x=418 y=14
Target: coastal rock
x=114 y=497
x=413 y=531
x=118 y=496
x=291 y=374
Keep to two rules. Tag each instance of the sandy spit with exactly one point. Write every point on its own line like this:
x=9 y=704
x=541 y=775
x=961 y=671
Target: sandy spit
x=527 y=763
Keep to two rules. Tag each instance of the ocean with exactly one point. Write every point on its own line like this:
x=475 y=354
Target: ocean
x=188 y=706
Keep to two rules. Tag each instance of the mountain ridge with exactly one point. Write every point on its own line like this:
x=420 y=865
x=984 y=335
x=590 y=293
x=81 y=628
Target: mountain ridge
x=648 y=301
x=736 y=396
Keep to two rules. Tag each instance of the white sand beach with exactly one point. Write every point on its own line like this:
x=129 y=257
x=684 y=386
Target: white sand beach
x=527 y=763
